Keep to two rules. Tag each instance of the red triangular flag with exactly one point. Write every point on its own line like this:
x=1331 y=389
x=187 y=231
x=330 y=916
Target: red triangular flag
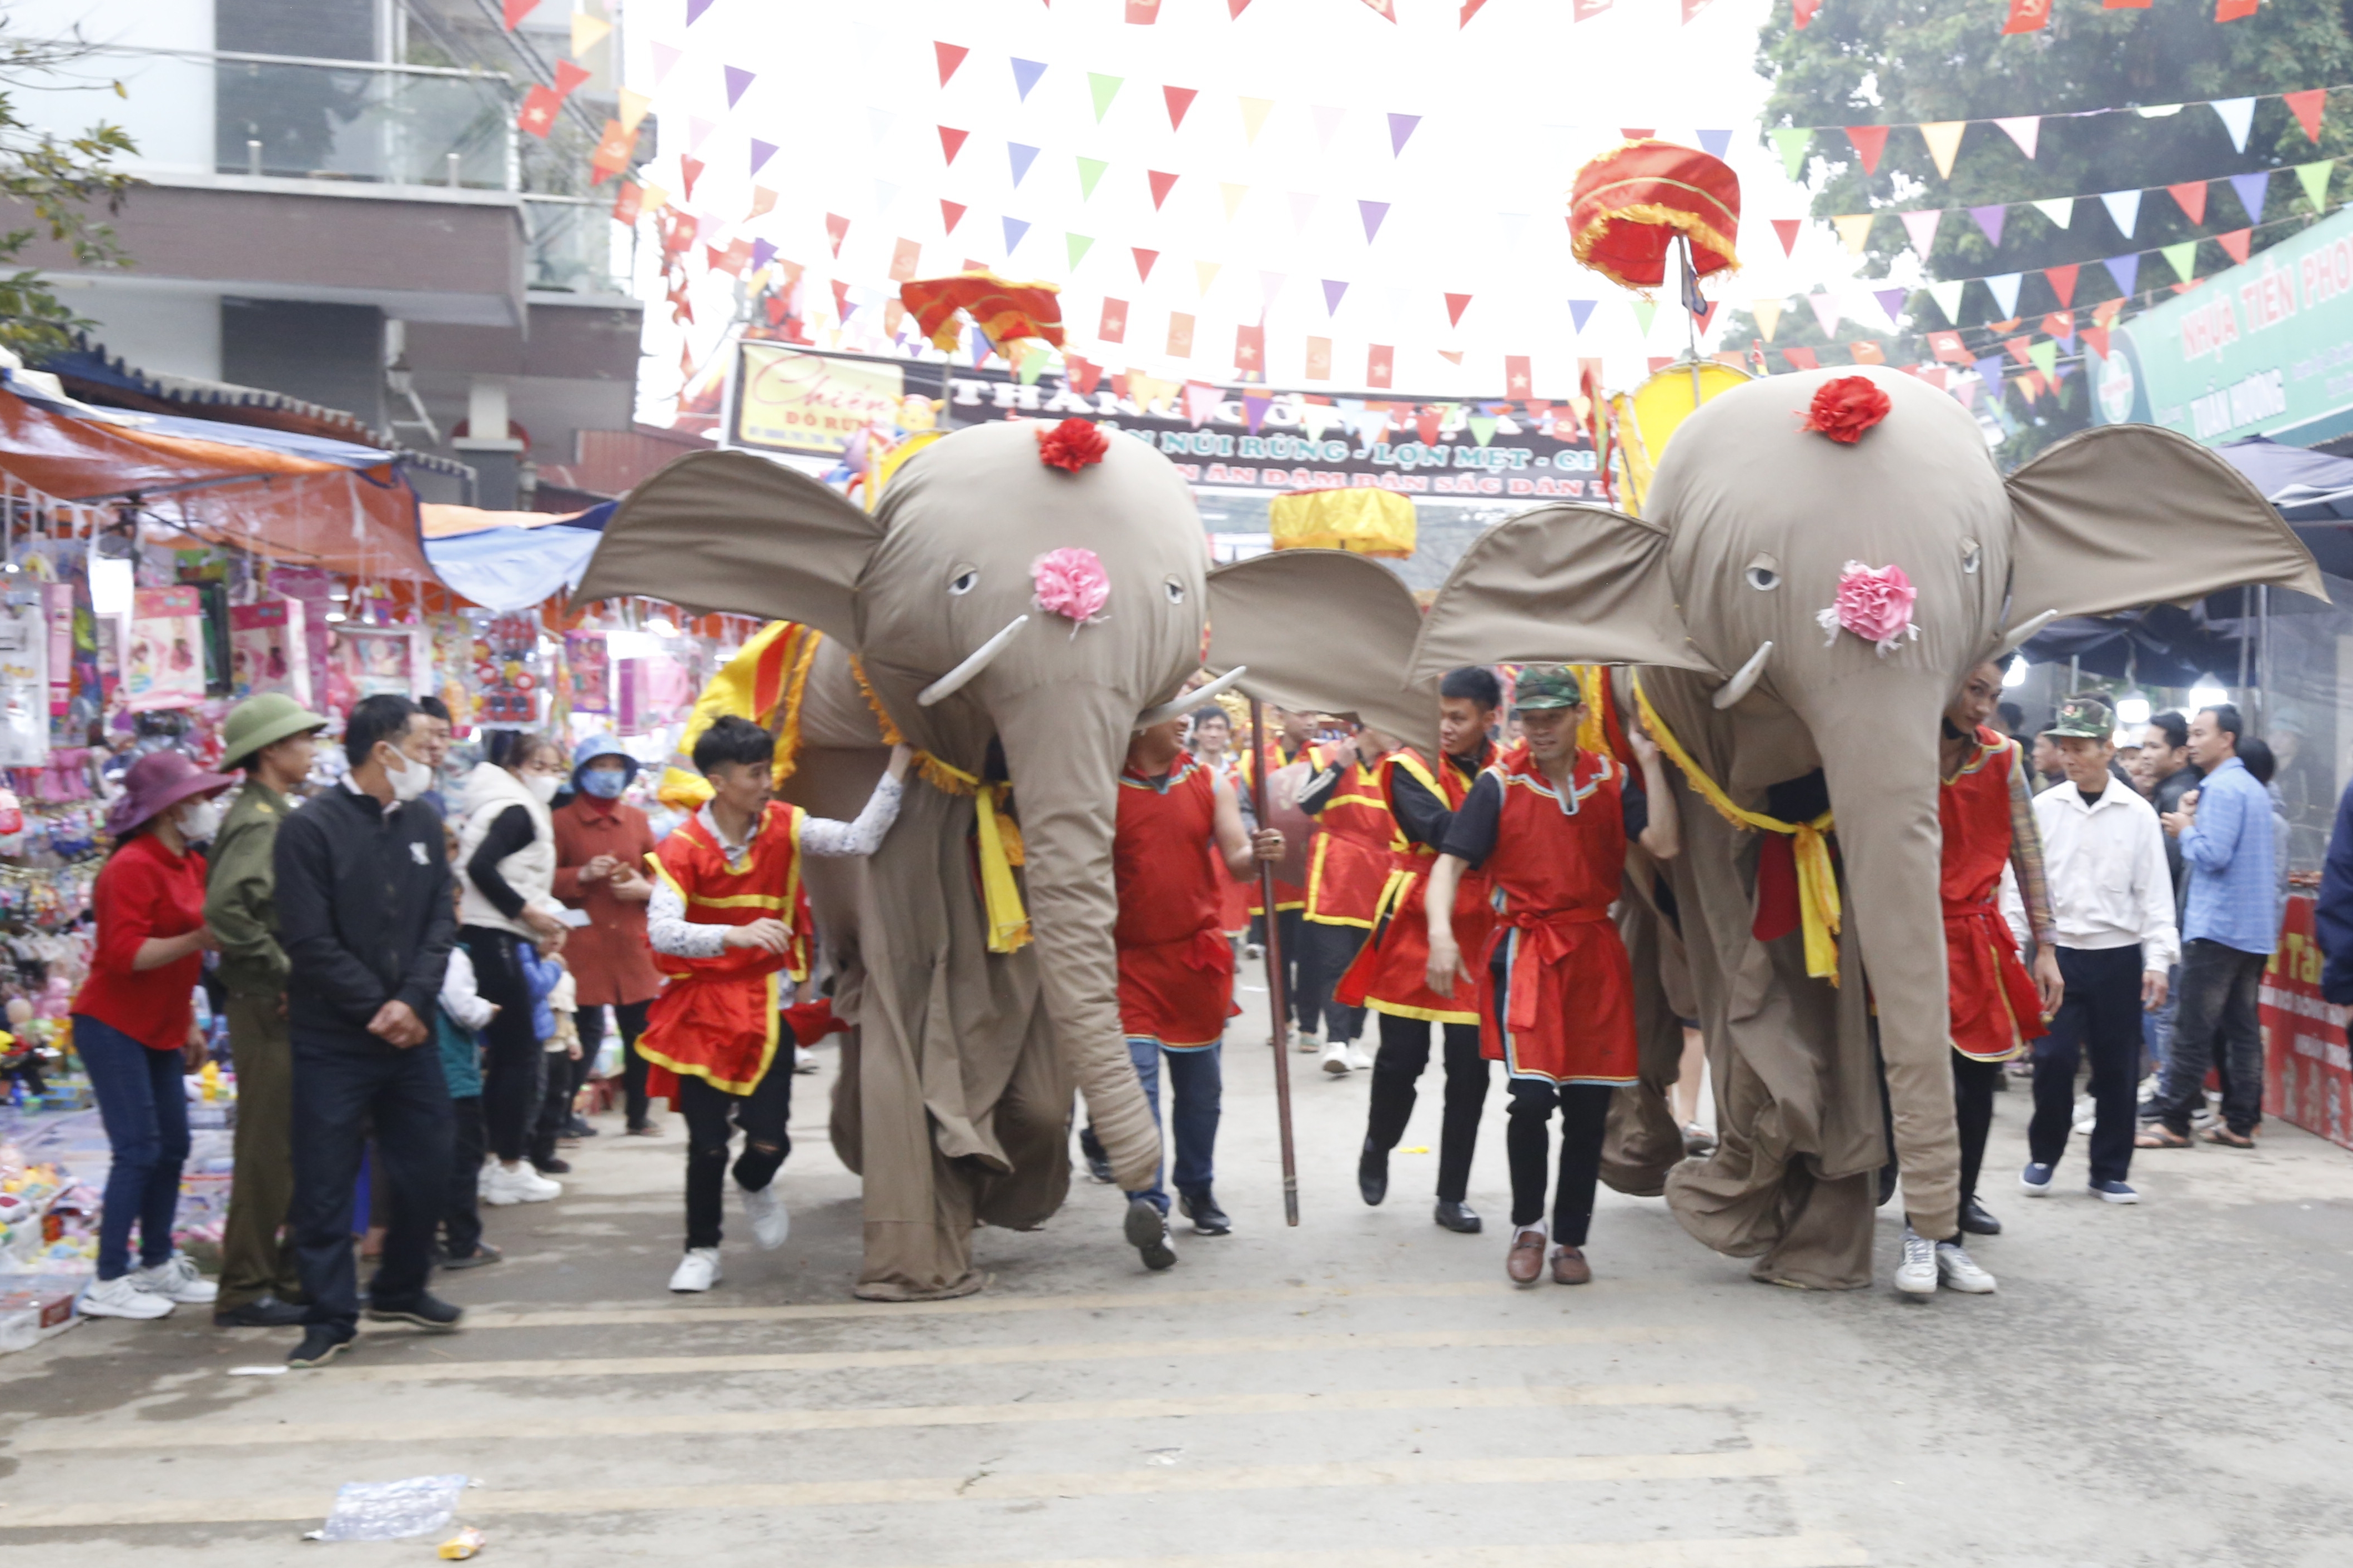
x=951 y=213
x=950 y=55
x=2308 y=107
x=2106 y=312
x=2192 y=197
x=1661 y=361
x=1801 y=359
x=516 y=10
x=2059 y=324
x=840 y=300
x=951 y=142
x=1144 y=261
x=1788 y=229
x=836 y=228
x=1180 y=99
x=567 y=77
x=2098 y=338
x=1455 y=304
x=1709 y=315
x=1869 y=141
x=1803 y=12
x=2063 y=282
x=2027 y=16
x=2018 y=347
x=2235 y=243
x=1470 y=9
x=1161 y=185
x=1083 y=374
x=1234 y=8
x=689 y=170
x=1425 y=425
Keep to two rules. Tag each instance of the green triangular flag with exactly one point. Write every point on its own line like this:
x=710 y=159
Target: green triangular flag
x=1077 y=243
x=1482 y=429
x=1645 y=310
x=2313 y=178
x=1106 y=88
x=1033 y=364
x=1791 y=142
x=2182 y=257
x=1089 y=171
x=2045 y=355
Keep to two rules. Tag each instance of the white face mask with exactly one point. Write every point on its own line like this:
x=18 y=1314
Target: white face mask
x=543 y=786
x=200 y=820
x=409 y=779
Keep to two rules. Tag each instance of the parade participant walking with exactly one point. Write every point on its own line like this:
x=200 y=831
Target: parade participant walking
x=1550 y=824
x=1210 y=739
x=272 y=737
x=1986 y=809
x=1347 y=867
x=601 y=845
x=364 y=908
x=1387 y=975
x=133 y=1026
x=2111 y=904
x=1175 y=968
x=1294 y=742
x=730 y=916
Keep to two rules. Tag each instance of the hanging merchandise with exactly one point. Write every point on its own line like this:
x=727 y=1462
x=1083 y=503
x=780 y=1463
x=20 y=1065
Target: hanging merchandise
x=369 y=661
x=589 y=671
x=506 y=672
x=166 y=667
x=24 y=681
x=315 y=589
x=58 y=610
x=452 y=641
x=269 y=650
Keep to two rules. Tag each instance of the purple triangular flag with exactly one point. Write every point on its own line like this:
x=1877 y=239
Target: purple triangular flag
x=738 y=78
x=1990 y=219
x=1022 y=157
x=981 y=348
x=1373 y=213
x=762 y=254
x=1715 y=143
x=1254 y=407
x=1891 y=301
x=1401 y=132
x=1334 y=292
x=1026 y=74
x=695 y=10
x=1013 y=229
x=761 y=153
x=2126 y=271
x=2251 y=188
x=1990 y=372
x=1579 y=311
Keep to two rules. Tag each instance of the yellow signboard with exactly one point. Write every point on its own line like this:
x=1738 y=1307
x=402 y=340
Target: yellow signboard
x=788 y=401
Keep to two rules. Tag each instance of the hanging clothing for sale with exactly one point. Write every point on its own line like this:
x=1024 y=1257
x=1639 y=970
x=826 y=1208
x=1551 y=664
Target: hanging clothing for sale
x=1388 y=975
x=1995 y=1006
x=1175 y=967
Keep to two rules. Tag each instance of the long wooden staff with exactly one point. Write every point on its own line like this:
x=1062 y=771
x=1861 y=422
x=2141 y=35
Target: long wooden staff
x=1277 y=995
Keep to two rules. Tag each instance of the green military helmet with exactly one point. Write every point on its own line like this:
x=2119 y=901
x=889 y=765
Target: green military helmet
x=263 y=721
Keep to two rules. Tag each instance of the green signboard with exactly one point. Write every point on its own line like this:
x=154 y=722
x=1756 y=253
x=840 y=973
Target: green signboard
x=2263 y=349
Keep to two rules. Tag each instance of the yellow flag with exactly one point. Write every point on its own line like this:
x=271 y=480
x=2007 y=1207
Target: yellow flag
x=1769 y=316
x=1234 y=194
x=651 y=200
x=635 y=107
x=1944 y=139
x=1206 y=271
x=1855 y=230
x=587 y=32
x=1254 y=114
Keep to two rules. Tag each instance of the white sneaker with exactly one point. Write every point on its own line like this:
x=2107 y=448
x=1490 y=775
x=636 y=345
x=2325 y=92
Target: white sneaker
x=1359 y=1058
x=175 y=1280
x=697 y=1270
x=1335 y=1057
x=1959 y=1272
x=522 y=1185
x=121 y=1297
x=765 y=1209
x=1916 y=1274
x=804 y=1059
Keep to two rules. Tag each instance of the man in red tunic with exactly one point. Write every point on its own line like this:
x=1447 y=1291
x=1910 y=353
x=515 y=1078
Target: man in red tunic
x=1986 y=808
x=1347 y=871
x=730 y=920
x=1293 y=742
x=1175 y=967
x=1549 y=824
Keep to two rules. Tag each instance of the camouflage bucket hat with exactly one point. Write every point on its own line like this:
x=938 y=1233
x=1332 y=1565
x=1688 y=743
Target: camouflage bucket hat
x=1544 y=686
x=2085 y=717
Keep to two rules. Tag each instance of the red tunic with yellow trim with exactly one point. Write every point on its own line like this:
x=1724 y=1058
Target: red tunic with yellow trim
x=1995 y=1007
x=1287 y=895
x=1348 y=863
x=717 y=1017
x=1175 y=967
x=1389 y=972
x=1556 y=988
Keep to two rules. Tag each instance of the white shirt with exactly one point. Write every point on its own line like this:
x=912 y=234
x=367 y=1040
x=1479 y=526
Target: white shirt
x=2105 y=861
x=667 y=927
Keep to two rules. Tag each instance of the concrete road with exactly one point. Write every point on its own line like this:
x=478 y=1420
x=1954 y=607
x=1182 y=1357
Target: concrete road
x=2153 y=1385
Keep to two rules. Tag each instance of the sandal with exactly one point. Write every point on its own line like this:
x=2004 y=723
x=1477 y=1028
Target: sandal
x=2220 y=1133
x=2158 y=1135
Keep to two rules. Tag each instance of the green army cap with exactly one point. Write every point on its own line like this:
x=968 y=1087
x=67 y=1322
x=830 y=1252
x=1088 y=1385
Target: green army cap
x=2086 y=717
x=262 y=720
x=1544 y=686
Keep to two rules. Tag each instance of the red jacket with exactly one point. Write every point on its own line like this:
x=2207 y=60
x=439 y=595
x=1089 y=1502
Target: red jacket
x=610 y=958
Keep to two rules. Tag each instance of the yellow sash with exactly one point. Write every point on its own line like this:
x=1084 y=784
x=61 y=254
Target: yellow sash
x=999 y=840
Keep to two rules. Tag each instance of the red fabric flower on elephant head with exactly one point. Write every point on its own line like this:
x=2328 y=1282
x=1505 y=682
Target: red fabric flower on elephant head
x=1843 y=409
x=1071 y=445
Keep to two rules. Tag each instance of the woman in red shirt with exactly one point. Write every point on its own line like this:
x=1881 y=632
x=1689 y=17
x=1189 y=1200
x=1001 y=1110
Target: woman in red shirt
x=132 y=1026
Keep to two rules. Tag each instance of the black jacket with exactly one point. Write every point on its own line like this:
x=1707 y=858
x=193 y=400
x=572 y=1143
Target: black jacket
x=363 y=909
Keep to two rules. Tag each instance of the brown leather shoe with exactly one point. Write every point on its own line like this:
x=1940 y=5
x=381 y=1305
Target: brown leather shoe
x=1570 y=1267
x=1526 y=1260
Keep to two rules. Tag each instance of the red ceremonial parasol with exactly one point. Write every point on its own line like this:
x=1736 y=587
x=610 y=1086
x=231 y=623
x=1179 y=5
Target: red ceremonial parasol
x=1631 y=202
x=1004 y=312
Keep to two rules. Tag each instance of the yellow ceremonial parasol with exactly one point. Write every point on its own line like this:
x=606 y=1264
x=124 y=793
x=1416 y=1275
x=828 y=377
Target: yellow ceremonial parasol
x=1366 y=521
x=1642 y=419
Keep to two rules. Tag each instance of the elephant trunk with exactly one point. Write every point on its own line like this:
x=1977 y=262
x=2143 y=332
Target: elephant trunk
x=1882 y=779
x=1064 y=746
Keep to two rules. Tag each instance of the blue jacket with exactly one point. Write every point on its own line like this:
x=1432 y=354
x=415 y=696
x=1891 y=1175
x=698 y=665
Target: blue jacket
x=544 y=974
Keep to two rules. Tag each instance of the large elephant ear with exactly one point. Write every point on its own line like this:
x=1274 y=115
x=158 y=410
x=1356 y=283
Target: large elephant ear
x=1323 y=631
x=729 y=530
x=2124 y=515
x=1569 y=584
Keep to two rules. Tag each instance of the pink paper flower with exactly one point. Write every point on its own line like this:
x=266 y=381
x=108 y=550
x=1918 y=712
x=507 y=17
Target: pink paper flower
x=1072 y=583
x=1876 y=605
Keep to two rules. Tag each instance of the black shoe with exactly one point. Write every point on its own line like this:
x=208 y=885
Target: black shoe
x=321 y=1344
x=483 y=1253
x=261 y=1312
x=578 y=1128
x=1147 y=1231
x=1207 y=1218
x=1886 y=1182
x=1373 y=1174
x=427 y=1312
x=551 y=1166
x=1099 y=1167
x=1457 y=1217
x=1976 y=1221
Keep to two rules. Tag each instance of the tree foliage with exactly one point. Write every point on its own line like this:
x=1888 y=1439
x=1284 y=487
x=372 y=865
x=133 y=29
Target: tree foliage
x=60 y=184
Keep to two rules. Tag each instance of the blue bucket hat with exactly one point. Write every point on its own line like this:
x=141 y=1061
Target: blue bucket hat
x=597 y=746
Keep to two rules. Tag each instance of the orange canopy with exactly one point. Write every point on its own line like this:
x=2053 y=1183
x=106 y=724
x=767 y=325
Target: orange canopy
x=1632 y=202
x=1004 y=312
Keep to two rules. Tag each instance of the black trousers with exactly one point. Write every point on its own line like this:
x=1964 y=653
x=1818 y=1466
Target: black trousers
x=631 y=1016
x=1286 y=926
x=1325 y=954
x=515 y=1065
x=762 y=1114
x=1398 y=1066
x=347 y=1089
x=461 y=1218
x=2101 y=1018
x=555 y=1104
x=1973 y=1092
x=2216 y=1024
x=1584 y=1110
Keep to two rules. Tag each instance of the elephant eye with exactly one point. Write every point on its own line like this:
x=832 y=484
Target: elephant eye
x=1764 y=573
x=1175 y=590
x=1972 y=556
x=966 y=580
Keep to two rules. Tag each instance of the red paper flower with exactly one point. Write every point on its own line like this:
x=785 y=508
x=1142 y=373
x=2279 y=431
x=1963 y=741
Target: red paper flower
x=1843 y=409
x=1075 y=443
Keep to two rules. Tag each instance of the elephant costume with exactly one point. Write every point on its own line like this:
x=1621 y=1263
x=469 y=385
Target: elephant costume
x=1717 y=598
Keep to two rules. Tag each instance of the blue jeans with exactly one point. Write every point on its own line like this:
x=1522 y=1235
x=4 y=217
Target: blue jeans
x=1196 y=1085
x=145 y=1106
x=2157 y=1028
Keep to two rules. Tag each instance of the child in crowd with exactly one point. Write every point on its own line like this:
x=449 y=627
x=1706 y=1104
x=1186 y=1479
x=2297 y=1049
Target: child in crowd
x=562 y=1044
x=457 y=1024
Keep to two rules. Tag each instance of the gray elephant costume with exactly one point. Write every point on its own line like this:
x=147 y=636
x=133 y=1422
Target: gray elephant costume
x=954 y=1102
x=1718 y=597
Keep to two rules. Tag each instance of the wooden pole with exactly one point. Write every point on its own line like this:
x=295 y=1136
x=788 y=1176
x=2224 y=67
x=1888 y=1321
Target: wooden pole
x=1277 y=995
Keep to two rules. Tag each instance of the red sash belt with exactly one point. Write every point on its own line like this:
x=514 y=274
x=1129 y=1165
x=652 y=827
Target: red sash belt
x=1545 y=936
x=1208 y=953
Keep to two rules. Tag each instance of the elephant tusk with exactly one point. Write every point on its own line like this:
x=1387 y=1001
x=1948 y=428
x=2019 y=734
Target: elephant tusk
x=2013 y=639
x=1188 y=700
x=1744 y=680
x=975 y=661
